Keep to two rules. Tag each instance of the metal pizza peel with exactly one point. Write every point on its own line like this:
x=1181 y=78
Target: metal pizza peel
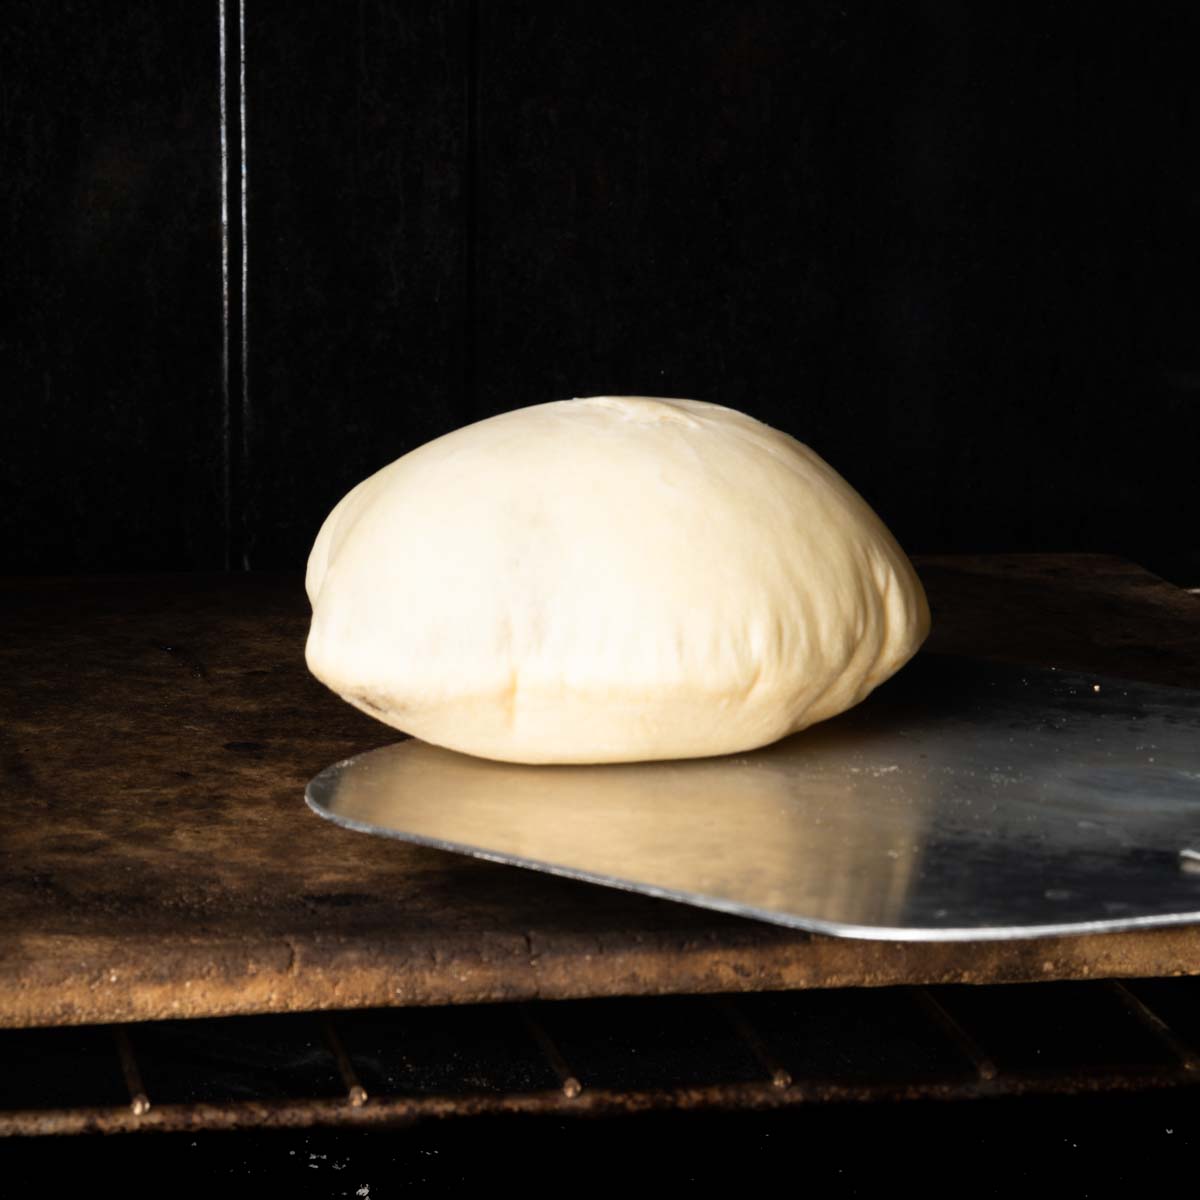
x=963 y=800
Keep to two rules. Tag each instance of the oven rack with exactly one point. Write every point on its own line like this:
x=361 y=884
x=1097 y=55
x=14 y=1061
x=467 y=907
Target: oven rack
x=602 y=1057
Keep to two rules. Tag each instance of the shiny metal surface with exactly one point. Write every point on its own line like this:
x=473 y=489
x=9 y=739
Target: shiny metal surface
x=962 y=801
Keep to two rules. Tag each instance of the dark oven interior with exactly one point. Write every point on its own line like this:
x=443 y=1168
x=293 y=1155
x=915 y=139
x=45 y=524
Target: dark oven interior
x=848 y=1081
x=254 y=251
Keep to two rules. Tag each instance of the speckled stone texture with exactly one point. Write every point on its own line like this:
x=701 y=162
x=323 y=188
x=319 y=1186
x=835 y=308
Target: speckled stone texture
x=157 y=858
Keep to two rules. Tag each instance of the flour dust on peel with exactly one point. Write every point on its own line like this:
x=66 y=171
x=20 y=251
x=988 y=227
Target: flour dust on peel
x=610 y=579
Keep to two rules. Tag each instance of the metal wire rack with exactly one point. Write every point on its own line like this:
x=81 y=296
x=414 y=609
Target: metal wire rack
x=764 y=1050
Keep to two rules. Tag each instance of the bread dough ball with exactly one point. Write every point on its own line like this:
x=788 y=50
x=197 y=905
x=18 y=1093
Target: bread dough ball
x=611 y=579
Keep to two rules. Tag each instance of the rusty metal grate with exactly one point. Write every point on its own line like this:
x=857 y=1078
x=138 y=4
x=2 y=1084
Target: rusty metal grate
x=758 y=1051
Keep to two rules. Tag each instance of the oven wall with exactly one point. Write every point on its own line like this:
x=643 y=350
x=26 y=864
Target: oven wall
x=954 y=249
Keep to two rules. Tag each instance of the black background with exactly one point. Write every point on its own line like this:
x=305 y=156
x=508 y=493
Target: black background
x=1069 y=1148
x=953 y=247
